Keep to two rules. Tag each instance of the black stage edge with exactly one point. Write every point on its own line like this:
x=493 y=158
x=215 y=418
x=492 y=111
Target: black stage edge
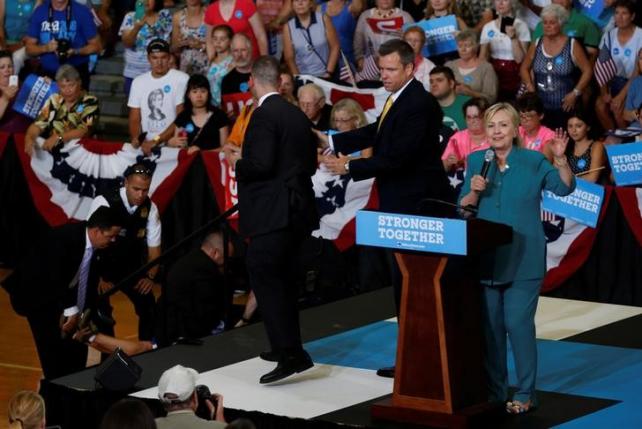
x=616 y=334
x=555 y=409
x=74 y=401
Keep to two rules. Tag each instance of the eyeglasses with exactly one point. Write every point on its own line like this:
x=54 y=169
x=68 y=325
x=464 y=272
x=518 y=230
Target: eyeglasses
x=344 y=119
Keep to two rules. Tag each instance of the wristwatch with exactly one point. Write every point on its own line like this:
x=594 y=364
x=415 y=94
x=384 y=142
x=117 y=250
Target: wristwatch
x=346 y=166
x=60 y=141
x=577 y=92
x=156 y=139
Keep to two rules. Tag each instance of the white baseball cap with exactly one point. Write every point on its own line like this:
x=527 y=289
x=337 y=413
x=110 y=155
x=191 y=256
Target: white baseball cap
x=179 y=382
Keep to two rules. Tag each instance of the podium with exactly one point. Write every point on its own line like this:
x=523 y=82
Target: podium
x=439 y=375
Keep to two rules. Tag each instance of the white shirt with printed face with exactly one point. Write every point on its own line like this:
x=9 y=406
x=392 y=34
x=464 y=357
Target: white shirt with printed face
x=157 y=99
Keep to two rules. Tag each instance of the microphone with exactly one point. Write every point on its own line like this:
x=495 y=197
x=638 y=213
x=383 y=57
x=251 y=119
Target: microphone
x=489 y=156
x=441 y=213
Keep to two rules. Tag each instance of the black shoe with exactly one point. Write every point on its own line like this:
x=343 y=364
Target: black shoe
x=269 y=356
x=388 y=372
x=286 y=367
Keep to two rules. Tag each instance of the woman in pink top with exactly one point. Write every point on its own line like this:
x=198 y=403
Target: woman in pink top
x=472 y=139
x=242 y=17
x=535 y=136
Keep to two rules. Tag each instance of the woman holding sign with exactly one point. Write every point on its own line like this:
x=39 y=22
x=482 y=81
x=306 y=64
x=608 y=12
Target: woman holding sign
x=512 y=274
x=439 y=9
x=10 y=121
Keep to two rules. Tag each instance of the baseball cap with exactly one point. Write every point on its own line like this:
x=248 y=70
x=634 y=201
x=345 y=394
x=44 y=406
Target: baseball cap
x=179 y=381
x=158 y=45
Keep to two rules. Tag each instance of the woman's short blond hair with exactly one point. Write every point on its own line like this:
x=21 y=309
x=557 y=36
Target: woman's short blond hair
x=512 y=114
x=353 y=108
x=556 y=11
x=26 y=410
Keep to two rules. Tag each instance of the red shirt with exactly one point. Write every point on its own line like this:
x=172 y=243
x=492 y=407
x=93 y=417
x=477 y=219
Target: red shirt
x=239 y=22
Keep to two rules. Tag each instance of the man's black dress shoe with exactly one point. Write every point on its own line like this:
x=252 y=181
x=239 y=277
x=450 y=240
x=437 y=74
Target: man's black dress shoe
x=269 y=355
x=286 y=367
x=388 y=372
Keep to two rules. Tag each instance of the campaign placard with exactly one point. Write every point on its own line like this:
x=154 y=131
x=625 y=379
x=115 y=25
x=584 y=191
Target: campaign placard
x=582 y=206
x=626 y=163
x=405 y=232
x=440 y=34
x=593 y=9
x=33 y=93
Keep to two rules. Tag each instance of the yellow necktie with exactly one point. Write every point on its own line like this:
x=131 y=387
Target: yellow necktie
x=384 y=112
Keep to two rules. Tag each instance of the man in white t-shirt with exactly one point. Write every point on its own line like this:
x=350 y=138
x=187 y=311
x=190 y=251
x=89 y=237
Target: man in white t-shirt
x=156 y=97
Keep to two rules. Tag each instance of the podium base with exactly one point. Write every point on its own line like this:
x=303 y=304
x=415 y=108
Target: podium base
x=471 y=417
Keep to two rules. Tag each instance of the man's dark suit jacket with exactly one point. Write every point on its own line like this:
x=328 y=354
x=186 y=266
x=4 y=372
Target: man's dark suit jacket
x=193 y=301
x=42 y=279
x=406 y=156
x=274 y=173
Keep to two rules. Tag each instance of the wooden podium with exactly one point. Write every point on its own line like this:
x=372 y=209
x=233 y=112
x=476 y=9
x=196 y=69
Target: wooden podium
x=439 y=375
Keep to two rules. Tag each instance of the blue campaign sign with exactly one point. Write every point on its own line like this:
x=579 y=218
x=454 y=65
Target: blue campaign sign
x=440 y=34
x=582 y=206
x=626 y=163
x=592 y=9
x=425 y=234
x=35 y=90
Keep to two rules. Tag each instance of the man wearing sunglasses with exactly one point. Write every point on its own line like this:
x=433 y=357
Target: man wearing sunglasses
x=139 y=242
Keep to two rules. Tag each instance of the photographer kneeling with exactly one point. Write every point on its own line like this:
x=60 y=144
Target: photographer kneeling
x=180 y=395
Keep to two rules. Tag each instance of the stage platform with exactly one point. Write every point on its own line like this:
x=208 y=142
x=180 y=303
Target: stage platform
x=590 y=370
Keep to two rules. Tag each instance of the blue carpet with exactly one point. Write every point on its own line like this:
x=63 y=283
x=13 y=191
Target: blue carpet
x=564 y=367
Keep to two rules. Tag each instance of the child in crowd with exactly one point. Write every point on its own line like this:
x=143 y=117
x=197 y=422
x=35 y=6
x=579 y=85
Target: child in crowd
x=220 y=60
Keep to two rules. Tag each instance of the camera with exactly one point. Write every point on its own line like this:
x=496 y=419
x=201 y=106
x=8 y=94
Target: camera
x=63 y=47
x=203 y=393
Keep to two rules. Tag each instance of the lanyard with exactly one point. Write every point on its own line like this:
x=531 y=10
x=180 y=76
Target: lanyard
x=67 y=17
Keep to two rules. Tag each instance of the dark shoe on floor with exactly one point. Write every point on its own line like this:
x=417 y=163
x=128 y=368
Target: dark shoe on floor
x=287 y=367
x=269 y=356
x=388 y=372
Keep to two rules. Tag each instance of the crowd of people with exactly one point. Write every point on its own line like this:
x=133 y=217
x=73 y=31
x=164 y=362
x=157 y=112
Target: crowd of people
x=191 y=78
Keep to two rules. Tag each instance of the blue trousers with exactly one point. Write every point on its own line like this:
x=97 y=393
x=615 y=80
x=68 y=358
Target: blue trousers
x=509 y=313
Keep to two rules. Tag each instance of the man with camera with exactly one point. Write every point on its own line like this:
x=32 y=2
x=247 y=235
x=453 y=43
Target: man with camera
x=63 y=32
x=188 y=406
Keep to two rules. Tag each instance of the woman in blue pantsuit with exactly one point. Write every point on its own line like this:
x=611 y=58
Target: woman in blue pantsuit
x=512 y=274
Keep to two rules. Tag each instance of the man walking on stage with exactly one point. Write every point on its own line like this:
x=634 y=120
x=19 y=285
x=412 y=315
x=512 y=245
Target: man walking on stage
x=406 y=156
x=276 y=211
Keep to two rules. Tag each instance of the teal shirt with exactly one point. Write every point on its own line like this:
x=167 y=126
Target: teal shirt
x=454 y=114
x=513 y=198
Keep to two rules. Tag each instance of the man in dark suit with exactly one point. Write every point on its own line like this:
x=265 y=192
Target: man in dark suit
x=276 y=211
x=54 y=284
x=406 y=155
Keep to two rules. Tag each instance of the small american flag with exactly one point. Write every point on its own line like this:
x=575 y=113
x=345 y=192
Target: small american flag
x=345 y=73
x=605 y=68
x=370 y=70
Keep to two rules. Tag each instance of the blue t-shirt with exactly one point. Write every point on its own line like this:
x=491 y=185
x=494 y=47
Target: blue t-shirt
x=81 y=29
x=634 y=96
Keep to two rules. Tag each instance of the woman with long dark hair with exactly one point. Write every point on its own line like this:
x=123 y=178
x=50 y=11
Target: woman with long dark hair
x=585 y=156
x=200 y=125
